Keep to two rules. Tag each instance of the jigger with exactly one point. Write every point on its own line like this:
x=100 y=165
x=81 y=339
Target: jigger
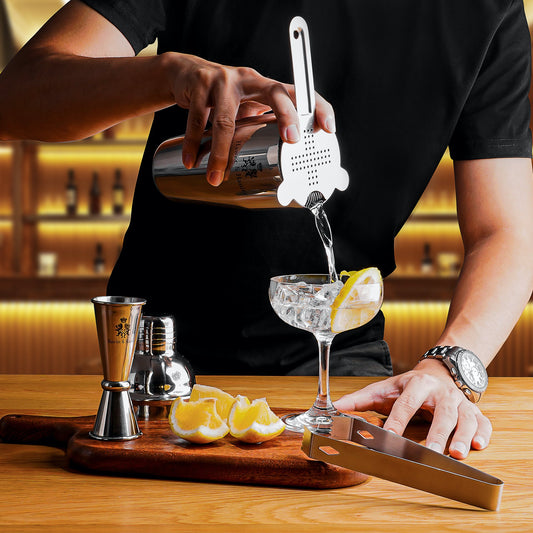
x=117 y=325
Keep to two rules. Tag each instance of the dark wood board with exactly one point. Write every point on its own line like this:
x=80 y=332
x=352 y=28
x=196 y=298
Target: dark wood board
x=160 y=453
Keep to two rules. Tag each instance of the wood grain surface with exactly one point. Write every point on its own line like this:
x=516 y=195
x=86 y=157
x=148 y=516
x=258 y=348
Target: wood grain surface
x=160 y=453
x=42 y=492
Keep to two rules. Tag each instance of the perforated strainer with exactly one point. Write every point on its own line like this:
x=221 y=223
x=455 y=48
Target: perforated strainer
x=311 y=168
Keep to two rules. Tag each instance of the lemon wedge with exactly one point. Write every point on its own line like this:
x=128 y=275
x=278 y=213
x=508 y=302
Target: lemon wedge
x=224 y=400
x=197 y=421
x=358 y=301
x=253 y=422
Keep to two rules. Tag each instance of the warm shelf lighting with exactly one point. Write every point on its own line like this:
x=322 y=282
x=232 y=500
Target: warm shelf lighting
x=428 y=229
x=81 y=229
x=113 y=154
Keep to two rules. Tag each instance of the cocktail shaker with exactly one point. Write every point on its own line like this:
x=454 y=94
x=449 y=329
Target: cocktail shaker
x=251 y=181
x=159 y=374
x=263 y=172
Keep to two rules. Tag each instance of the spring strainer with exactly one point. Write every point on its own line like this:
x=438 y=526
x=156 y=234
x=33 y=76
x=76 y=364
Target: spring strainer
x=311 y=168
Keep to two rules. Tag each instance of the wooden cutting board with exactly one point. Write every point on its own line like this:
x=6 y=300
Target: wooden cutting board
x=160 y=453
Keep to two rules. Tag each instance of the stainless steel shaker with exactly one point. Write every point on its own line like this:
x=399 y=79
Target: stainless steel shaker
x=159 y=374
x=252 y=180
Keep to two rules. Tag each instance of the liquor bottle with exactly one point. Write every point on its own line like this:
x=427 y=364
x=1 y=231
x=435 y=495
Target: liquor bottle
x=99 y=262
x=118 y=194
x=71 y=194
x=426 y=264
x=95 y=204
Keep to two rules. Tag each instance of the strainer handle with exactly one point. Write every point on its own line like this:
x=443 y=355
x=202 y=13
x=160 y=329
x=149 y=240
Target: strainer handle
x=302 y=68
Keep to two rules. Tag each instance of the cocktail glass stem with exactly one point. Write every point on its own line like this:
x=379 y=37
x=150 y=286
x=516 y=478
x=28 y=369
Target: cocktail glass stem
x=323 y=405
x=318 y=417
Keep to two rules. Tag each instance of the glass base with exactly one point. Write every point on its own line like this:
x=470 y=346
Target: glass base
x=315 y=420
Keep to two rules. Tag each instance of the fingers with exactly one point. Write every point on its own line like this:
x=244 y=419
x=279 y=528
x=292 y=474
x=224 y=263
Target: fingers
x=288 y=118
x=445 y=419
x=404 y=395
x=223 y=124
x=379 y=397
x=473 y=431
x=279 y=98
x=324 y=115
x=415 y=394
x=196 y=123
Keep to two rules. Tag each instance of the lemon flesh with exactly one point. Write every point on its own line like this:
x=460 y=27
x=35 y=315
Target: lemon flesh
x=358 y=301
x=224 y=400
x=253 y=422
x=197 y=421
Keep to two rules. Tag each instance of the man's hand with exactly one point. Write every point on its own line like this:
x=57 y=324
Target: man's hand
x=221 y=94
x=431 y=390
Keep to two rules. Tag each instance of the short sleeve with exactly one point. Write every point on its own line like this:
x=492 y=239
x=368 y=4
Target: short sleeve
x=138 y=20
x=495 y=119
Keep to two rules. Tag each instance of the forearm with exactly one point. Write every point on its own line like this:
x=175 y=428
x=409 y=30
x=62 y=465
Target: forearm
x=60 y=97
x=495 y=284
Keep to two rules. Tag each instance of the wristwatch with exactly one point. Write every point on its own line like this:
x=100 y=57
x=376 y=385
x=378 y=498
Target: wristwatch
x=465 y=367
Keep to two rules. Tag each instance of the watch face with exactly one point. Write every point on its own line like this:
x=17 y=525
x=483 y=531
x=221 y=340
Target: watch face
x=472 y=371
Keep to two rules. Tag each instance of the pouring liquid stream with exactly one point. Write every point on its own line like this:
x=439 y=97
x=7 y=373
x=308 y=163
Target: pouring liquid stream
x=324 y=231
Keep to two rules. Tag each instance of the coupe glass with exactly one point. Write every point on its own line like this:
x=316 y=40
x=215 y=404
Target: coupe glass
x=305 y=301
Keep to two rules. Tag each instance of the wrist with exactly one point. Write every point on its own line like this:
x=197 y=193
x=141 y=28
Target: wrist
x=433 y=367
x=168 y=69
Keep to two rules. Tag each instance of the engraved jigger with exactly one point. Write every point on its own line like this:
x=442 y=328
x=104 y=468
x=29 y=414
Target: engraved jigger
x=117 y=324
x=159 y=373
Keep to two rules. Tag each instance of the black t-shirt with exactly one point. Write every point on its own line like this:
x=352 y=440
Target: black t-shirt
x=406 y=78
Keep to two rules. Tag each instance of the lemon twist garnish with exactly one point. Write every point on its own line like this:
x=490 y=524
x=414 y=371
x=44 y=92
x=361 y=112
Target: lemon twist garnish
x=358 y=301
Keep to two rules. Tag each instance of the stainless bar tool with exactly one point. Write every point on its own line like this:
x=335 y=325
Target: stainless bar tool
x=117 y=322
x=263 y=172
x=159 y=374
x=358 y=445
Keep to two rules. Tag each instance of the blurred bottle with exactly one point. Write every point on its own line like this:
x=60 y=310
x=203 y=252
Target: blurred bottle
x=95 y=197
x=427 y=265
x=99 y=262
x=71 y=194
x=118 y=193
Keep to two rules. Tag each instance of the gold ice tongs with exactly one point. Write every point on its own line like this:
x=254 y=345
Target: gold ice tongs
x=358 y=445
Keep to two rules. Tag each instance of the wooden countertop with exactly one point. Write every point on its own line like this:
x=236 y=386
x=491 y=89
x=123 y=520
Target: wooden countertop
x=40 y=491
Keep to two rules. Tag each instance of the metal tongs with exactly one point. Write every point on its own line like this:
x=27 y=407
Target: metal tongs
x=358 y=445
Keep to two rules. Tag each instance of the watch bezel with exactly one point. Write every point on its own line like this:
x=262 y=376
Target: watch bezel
x=460 y=356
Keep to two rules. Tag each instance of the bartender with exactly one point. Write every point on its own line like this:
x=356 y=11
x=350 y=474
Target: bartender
x=407 y=79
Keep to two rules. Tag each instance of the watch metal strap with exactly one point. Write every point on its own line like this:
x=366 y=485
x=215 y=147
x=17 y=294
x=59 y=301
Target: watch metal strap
x=437 y=352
